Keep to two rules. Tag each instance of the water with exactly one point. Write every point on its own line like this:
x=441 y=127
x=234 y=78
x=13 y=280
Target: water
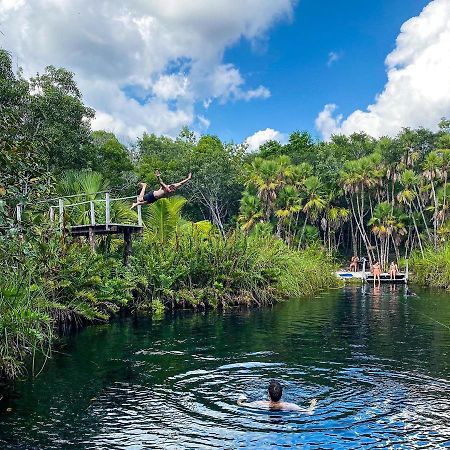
x=378 y=363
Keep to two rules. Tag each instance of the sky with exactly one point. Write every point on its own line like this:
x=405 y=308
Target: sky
x=245 y=70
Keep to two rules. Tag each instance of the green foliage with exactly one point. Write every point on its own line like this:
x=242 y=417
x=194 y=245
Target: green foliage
x=433 y=269
x=199 y=271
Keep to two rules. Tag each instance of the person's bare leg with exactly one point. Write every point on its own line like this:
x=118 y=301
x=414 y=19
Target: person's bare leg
x=140 y=198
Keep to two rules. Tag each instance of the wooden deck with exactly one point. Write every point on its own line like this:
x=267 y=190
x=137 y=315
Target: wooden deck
x=103 y=228
x=59 y=215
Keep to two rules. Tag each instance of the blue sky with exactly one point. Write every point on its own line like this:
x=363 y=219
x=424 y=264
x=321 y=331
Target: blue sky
x=246 y=70
x=293 y=65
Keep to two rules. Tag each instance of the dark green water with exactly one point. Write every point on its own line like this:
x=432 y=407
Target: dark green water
x=379 y=364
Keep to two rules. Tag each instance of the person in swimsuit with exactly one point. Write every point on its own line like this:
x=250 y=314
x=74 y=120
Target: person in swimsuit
x=354 y=264
x=163 y=192
x=393 y=270
x=274 y=403
x=376 y=271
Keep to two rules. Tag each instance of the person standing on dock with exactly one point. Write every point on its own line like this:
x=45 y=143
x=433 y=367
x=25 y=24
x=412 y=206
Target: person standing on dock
x=163 y=192
x=376 y=272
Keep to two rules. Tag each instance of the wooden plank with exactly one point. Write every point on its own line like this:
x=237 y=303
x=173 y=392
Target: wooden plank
x=52 y=215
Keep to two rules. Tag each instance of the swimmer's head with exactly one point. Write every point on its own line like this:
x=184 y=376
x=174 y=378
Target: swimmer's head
x=275 y=390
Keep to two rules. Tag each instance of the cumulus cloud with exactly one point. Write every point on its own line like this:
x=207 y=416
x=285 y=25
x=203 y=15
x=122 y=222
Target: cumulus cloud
x=417 y=92
x=260 y=137
x=167 y=53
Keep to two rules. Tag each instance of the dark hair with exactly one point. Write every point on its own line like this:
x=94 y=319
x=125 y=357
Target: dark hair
x=275 y=390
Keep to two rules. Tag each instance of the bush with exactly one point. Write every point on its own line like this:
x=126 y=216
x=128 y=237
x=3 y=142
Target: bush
x=199 y=271
x=433 y=269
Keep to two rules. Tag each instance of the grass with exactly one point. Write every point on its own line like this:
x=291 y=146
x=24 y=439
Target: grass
x=433 y=269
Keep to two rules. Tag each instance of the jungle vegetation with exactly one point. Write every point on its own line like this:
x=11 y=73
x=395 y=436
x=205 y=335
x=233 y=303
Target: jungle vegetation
x=250 y=228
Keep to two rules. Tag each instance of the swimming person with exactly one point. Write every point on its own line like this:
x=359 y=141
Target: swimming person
x=274 y=403
x=376 y=271
x=393 y=270
x=163 y=192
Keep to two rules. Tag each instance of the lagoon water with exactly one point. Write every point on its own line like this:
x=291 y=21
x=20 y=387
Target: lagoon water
x=378 y=363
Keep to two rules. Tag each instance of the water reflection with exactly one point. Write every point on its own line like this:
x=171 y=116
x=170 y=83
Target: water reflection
x=377 y=361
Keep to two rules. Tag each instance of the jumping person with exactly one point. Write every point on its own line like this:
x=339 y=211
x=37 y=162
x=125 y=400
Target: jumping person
x=163 y=192
x=274 y=403
x=376 y=271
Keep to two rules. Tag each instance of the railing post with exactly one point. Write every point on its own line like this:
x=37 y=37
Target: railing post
x=19 y=213
x=139 y=212
x=91 y=204
x=52 y=215
x=108 y=211
x=61 y=213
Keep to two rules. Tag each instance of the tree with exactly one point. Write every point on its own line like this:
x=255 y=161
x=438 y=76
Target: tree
x=110 y=158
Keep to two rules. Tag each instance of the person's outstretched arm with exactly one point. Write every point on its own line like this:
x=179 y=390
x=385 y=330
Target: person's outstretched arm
x=180 y=183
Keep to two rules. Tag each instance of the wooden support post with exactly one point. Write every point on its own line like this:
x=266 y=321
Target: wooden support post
x=52 y=215
x=127 y=247
x=108 y=210
x=91 y=204
x=92 y=238
x=139 y=212
x=61 y=214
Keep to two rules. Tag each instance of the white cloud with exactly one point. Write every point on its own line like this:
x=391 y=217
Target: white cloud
x=168 y=53
x=204 y=122
x=417 y=92
x=333 y=57
x=260 y=137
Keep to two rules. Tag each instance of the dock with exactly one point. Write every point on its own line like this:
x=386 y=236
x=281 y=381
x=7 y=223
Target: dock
x=95 y=221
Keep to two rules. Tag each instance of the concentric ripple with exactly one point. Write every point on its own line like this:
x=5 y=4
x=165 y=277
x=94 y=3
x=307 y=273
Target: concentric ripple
x=378 y=365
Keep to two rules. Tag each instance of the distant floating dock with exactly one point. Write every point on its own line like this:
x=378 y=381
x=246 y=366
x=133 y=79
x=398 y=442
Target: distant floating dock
x=401 y=277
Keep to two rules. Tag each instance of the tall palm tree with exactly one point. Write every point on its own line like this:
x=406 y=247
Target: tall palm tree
x=250 y=211
x=432 y=167
x=407 y=195
x=315 y=202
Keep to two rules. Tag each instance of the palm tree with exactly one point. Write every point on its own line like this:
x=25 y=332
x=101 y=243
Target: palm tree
x=381 y=224
x=87 y=186
x=163 y=217
x=289 y=204
x=250 y=211
x=315 y=203
x=407 y=196
x=432 y=165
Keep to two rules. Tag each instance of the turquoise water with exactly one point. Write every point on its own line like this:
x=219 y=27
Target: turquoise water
x=378 y=363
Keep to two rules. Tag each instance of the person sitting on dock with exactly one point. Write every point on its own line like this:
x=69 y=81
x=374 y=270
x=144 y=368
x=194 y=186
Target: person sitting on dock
x=354 y=264
x=376 y=272
x=393 y=270
x=274 y=403
x=163 y=192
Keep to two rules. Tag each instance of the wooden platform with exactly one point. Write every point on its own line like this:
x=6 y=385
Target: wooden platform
x=385 y=278
x=101 y=229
